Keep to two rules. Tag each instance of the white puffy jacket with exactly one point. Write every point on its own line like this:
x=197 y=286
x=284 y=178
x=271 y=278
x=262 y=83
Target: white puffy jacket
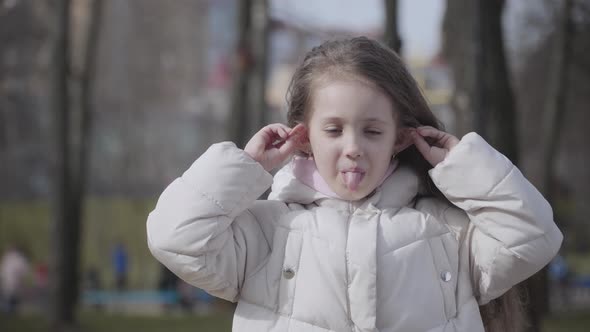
x=302 y=261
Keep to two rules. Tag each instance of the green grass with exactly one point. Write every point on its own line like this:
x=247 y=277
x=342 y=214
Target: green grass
x=580 y=263
x=92 y=322
x=106 y=221
x=568 y=322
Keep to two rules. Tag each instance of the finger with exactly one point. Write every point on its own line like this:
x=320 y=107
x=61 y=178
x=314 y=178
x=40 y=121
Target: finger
x=282 y=127
x=429 y=131
x=283 y=132
x=439 y=138
x=275 y=127
x=286 y=149
x=298 y=129
x=275 y=134
x=420 y=143
x=287 y=133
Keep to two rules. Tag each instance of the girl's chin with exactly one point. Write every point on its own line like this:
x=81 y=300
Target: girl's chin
x=353 y=195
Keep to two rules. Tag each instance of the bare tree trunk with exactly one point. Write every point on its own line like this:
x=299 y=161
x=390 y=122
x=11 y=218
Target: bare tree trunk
x=86 y=82
x=62 y=314
x=242 y=65
x=482 y=98
x=553 y=117
x=480 y=109
x=556 y=98
x=72 y=162
x=260 y=36
x=494 y=109
x=248 y=107
x=391 y=35
x=458 y=48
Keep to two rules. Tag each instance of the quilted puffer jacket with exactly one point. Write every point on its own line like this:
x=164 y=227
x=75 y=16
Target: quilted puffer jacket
x=302 y=261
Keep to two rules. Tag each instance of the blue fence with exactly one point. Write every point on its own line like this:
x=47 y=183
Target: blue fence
x=170 y=297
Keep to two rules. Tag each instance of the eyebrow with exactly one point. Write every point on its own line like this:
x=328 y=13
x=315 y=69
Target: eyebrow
x=374 y=120
x=338 y=119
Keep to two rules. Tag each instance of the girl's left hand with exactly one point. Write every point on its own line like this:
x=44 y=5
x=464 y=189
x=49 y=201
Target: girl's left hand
x=437 y=150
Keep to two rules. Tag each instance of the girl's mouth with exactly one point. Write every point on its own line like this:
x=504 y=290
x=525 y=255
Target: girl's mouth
x=352 y=179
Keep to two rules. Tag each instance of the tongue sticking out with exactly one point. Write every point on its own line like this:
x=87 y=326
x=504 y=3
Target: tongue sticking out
x=352 y=180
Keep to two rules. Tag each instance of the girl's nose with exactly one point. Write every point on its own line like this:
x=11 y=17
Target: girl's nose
x=352 y=148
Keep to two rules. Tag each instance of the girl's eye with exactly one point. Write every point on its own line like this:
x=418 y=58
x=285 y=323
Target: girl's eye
x=373 y=132
x=332 y=130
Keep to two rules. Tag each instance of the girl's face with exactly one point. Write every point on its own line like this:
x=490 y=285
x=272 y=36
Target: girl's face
x=353 y=136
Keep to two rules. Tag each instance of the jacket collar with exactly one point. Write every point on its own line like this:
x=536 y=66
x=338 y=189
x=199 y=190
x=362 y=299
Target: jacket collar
x=398 y=190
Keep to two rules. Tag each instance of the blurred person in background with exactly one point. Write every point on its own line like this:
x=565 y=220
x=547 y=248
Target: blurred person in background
x=92 y=285
x=13 y=271
x=560 y=275
x=41 y=285
x=167 y=284
x=120 y=262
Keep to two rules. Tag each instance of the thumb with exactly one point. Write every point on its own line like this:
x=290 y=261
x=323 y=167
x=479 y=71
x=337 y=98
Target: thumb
x=420 y=143
x=287 y=149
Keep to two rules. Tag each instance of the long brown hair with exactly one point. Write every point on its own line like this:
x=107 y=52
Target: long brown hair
x=370 y=60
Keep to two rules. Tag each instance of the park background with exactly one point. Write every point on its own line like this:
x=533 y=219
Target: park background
x=104 y=102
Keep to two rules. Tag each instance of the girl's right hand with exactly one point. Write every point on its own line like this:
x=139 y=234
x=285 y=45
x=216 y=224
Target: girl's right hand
x=273 y=144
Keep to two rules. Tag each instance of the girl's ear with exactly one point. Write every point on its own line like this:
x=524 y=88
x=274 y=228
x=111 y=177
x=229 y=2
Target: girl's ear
x=299 y=134
x=403 y=141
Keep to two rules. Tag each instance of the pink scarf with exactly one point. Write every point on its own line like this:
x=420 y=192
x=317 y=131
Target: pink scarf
x=306 y=171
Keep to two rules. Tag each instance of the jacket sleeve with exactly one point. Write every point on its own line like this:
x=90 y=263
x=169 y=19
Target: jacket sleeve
x=203 y=228
x=511 y=234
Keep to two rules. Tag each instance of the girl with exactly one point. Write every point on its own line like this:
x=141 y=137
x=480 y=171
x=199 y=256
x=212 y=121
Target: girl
x=380 y=222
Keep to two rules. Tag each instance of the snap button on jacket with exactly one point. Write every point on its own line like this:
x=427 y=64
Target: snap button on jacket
x=288 y=273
